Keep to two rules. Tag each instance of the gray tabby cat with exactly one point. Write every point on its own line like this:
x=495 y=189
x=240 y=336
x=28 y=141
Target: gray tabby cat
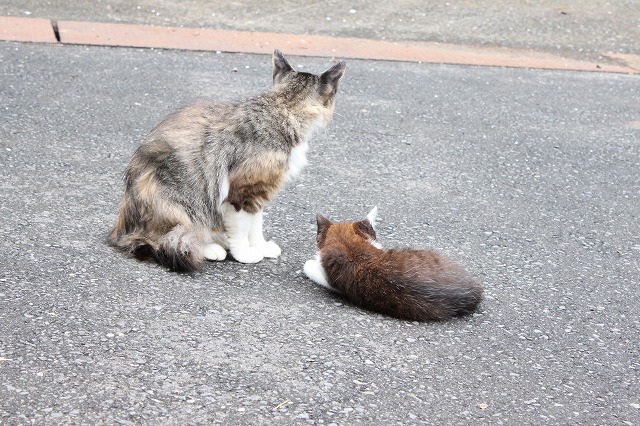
x=198 y=184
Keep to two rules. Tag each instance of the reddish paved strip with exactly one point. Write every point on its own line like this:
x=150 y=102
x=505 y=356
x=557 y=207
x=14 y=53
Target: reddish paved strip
x=26 y=29
x=207 y=39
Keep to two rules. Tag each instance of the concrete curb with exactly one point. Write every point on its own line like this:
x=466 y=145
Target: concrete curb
x=34 y=30
x=207 y=39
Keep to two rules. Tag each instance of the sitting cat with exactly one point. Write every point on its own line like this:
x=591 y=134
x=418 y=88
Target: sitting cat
x=201 y=179
x=417 y=285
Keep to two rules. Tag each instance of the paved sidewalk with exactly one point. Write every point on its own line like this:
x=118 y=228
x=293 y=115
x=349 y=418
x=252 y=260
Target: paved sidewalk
x=589 y=35
x=583 y=29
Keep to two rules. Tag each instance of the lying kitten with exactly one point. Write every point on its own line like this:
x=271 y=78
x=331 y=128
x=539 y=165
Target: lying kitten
x=417 y=285
x=199 y=182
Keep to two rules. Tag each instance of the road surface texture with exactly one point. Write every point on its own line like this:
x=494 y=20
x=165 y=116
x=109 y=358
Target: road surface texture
x=528 y=178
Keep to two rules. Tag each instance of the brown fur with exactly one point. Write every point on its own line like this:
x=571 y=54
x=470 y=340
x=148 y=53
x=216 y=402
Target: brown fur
x=404 y=283
x=254 y=183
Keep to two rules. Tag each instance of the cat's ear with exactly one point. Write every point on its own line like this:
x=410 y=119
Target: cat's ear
x=323 y=223
x=365 y=229
x=331 y=77
x=371 y=217
x=281 y=67
x=334 y=74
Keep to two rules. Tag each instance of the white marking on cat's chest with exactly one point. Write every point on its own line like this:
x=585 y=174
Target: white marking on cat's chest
x=224 y=189
x=297 y=160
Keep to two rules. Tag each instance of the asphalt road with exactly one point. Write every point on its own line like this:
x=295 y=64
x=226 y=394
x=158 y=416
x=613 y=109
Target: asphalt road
x=528 y=178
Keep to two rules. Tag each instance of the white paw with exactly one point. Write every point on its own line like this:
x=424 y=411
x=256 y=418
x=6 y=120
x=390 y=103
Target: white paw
x=214 y=252
x=313 y=269
x=309 y=268
x=271 y=250
x=247 y=254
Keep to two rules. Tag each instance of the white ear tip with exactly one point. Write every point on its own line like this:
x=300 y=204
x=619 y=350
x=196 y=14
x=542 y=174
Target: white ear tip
x=372 y=215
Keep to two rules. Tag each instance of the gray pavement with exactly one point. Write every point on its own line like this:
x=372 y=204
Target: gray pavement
x=528 y=178
x=579 y=29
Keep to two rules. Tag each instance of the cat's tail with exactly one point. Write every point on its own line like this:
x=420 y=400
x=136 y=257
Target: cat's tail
x=179 y=250
x=445 y=302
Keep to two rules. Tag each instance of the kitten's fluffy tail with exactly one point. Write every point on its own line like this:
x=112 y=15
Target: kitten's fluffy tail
x=179 y=250
x=442 y=302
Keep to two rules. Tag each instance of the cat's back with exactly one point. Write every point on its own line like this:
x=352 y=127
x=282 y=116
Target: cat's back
x=192 y=124
x=251 y=123
x=426 y=268
x=394 y=265
x=404 y=283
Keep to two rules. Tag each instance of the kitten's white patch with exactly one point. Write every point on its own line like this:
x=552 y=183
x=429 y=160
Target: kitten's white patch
x=375 y=243
x=297 y=160
x=314 y=270
x=214 y=252
x=371 y=217
x=237 y=225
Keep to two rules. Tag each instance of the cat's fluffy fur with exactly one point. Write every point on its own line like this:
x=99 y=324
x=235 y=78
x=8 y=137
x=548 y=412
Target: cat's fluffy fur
x=417 y=285
x=199 y=182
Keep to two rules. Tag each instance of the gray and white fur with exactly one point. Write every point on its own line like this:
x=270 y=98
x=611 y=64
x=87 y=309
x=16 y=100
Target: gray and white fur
x=198 y=184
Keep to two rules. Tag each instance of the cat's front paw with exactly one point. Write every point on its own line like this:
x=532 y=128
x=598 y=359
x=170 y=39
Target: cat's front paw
x=313 y=269
x=247 y=254
x=271 y=250
x=214 y=252
x=310 y=266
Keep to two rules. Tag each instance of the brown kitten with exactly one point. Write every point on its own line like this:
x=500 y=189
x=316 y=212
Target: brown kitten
x=416 y=285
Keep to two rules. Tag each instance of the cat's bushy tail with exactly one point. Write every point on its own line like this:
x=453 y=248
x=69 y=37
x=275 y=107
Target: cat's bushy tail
x=460 y=296
x=179 y=249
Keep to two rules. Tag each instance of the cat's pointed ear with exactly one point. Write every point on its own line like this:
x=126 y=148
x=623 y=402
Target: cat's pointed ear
x=281 y=67
x=323 y=223
x=365 y=229
x=333 y=75
x=371 y=217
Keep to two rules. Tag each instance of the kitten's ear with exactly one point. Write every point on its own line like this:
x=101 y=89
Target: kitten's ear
x=332 y=76
x=371 y=217
x=323 y=223
x=281 y=67
x=365 y=229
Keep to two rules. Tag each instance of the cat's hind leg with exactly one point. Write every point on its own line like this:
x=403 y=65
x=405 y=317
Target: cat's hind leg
x=256 y=238
x=314 y=270
x=237 y=225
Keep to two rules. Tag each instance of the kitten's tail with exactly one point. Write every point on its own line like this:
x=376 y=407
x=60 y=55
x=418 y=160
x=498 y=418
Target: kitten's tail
x=439 y=303
x=180 y=249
